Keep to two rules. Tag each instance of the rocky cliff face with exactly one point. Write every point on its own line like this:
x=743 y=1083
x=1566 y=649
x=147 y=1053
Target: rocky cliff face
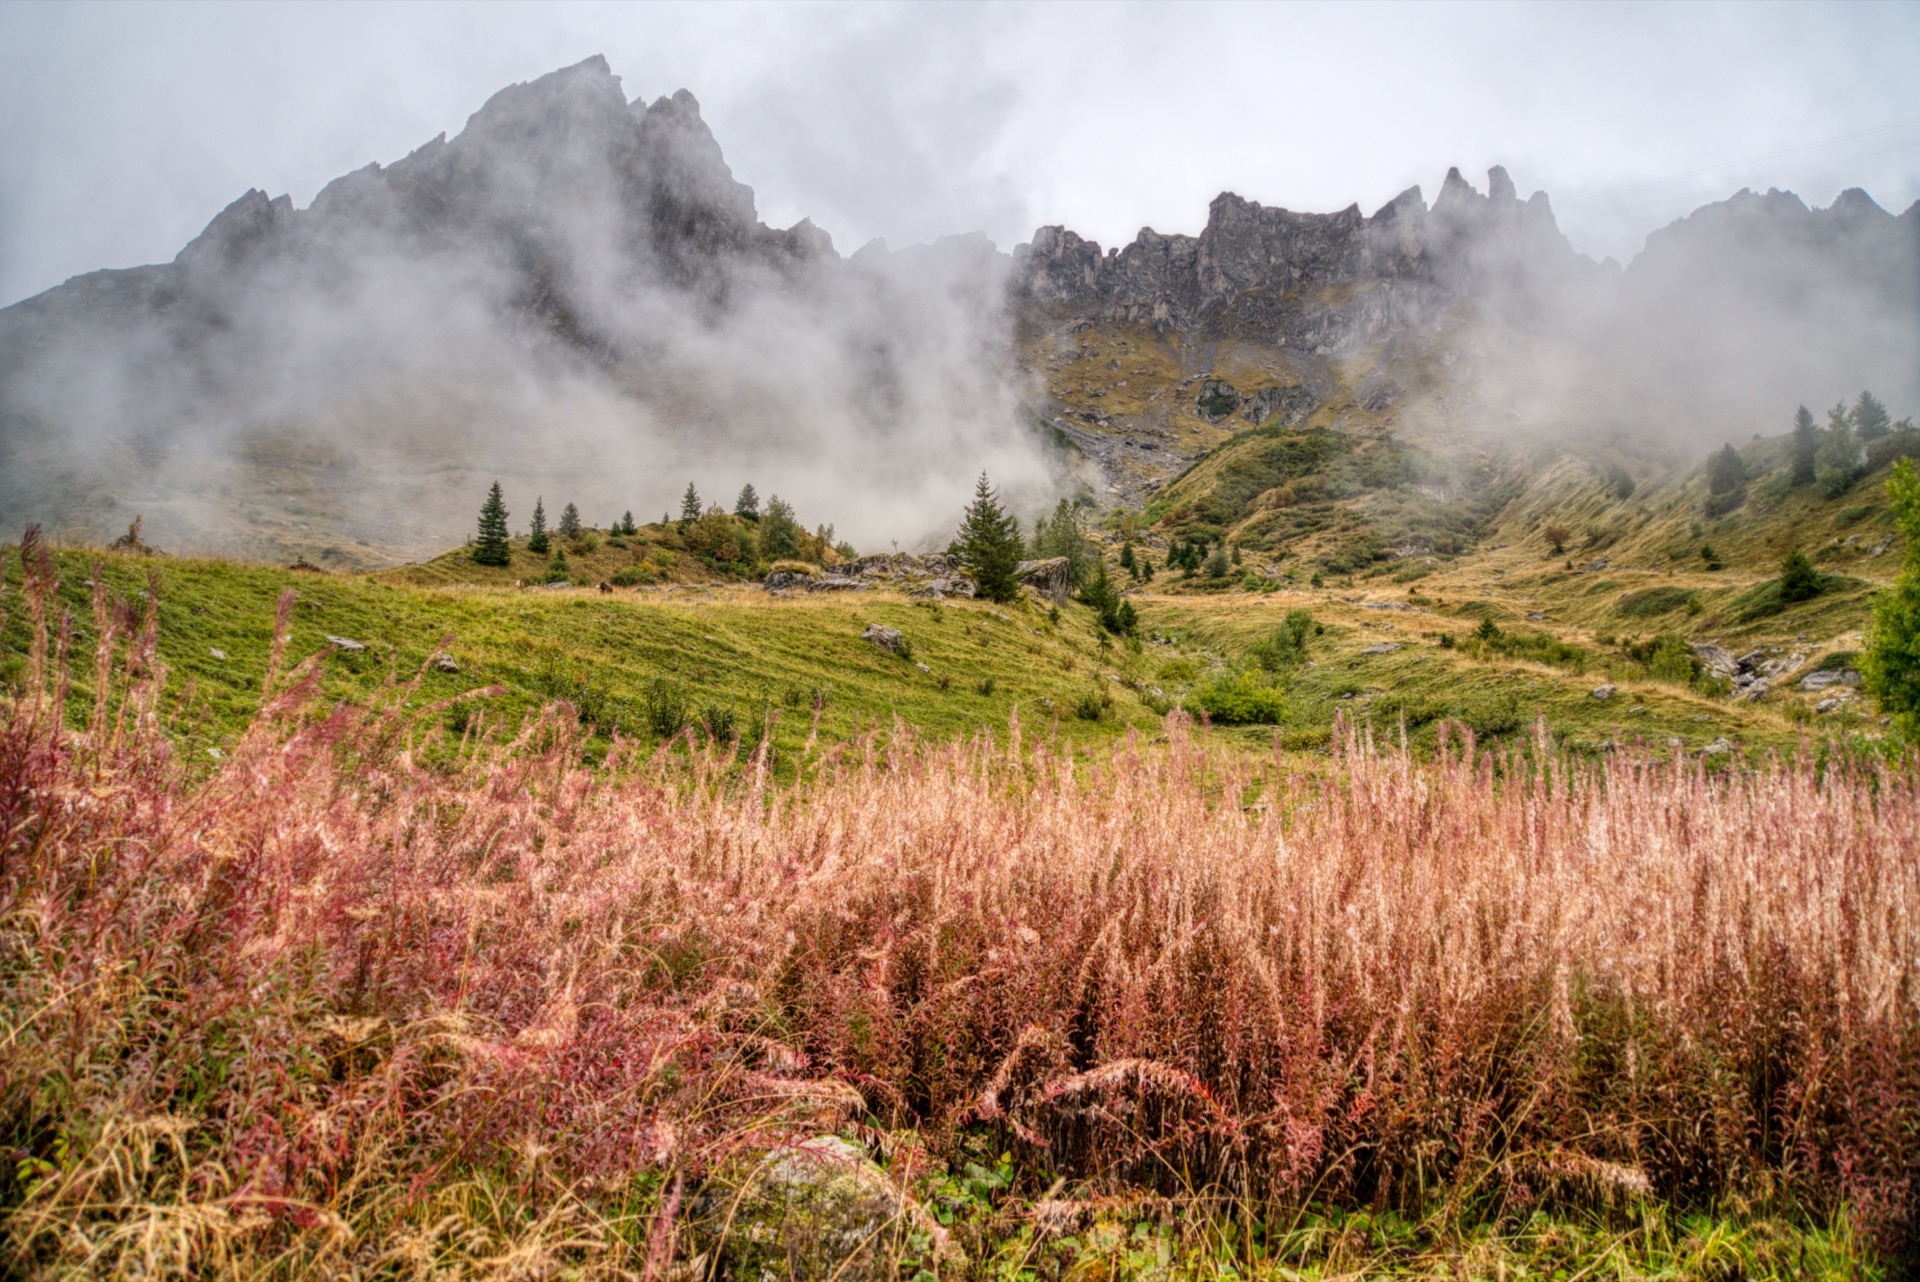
x=1474 y=316
x=1313 y=282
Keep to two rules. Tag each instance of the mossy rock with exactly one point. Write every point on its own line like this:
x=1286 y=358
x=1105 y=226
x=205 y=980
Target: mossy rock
x=818 y=1209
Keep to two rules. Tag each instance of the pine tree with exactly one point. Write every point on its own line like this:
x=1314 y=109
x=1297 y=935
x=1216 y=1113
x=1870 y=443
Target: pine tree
x=491 y=547
x=989 y=545
x=689 y=507
x=1799 y=581
x=1870 y=418
x=1806 y=446
x=1837 y=463
x=537 y=536
x=1891 y=664
x=627 y=527
x=747 y=506
x=1128 y=559
x=569 y=521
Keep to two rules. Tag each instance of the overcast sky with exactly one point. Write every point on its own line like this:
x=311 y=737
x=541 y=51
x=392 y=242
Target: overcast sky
x=125 y=127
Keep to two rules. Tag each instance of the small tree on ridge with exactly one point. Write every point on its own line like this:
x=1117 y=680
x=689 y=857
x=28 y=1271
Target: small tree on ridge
x=989 y=545
x=490 y=545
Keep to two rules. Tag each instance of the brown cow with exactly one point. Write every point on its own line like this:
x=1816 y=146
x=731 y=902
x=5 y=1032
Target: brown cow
x=606 y=589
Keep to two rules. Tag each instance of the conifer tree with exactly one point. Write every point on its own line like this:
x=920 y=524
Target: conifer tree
x=1799 y=581
x=1806 y=446
x=747 y=506
x=1837 y=462
x=1870 y=418
x=490 y=546
x=569 y=521
x=689 y=507
x=537 y=534
x=627 y=527
x=989 y=545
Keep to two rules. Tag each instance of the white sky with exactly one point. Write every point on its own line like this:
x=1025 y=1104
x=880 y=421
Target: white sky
x=125 y=127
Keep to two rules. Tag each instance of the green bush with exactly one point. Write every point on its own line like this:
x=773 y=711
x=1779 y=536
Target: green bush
x=1288 y=644
x=667 y=707
x=1239 y=699
x=1651 y=601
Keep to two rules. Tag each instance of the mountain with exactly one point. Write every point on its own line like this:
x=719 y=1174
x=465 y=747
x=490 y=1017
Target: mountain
x=1471 y=322
x=574 y=294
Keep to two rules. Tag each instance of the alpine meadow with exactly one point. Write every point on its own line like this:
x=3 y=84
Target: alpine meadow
x=550 y=729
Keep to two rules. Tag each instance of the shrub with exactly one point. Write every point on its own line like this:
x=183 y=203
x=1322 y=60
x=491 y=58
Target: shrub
x=1799 y=581
x=667 y=706
x=1287 y=645
x=1652 y=601
x=1093 y=705
x=1240 y=698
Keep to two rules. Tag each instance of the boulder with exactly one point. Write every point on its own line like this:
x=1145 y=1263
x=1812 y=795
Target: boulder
x=1385 y=647
x=818 y=1209
x=1047 y=578
x=1602 y=693
x=1814 y=681
x=342 y=643
x=443 y=662
x=1720 y=663
x=1719 y=747
x=888 y=639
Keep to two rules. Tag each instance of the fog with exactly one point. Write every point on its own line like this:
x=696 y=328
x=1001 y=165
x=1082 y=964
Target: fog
x=578 y=297
x=572 y=295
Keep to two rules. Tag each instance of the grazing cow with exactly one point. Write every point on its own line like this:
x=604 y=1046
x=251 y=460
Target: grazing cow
x=519 y=583
x=607 y=589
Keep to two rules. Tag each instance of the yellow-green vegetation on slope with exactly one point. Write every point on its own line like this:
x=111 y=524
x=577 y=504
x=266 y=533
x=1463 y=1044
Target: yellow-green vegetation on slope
x=1416 y=666
x=647 y=663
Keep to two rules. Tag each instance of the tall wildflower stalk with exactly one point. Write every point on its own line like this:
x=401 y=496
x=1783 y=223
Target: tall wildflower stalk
x=332 y=1008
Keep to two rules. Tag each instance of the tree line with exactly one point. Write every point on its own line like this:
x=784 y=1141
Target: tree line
x=747 y=535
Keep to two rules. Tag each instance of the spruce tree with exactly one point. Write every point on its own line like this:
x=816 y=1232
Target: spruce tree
x=1891 y=664
x=490 y=546
x=747 y=506
x=627 y=527
x=1799 y=581
x=537 y=535
x=1806 y=446
x=569 y=521
x=989 y=545
x=689 y=507
x=1837 y=462
x=1870 y=418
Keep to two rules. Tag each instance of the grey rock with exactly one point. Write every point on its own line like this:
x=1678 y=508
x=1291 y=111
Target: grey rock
x=888 y=639
x=1815 y=681
x=1758 y=690
x=342 y=643
x=818 y=1209
x=1385 y=647
x=1047 y=578
x=217 y=653
x=1720 y=663
x=1601 y=692
x=1719 y=747
x=443 y=662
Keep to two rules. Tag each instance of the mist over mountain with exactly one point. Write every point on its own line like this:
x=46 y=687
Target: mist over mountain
x=575 y=295
x=1475 y=317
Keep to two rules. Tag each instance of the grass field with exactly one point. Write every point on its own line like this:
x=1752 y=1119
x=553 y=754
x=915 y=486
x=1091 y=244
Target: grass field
x=367 y=1001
